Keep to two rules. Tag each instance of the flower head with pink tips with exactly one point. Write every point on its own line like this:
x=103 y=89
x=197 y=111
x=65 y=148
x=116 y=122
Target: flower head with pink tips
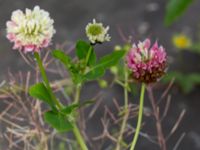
x=30 y=31
x=147 y=63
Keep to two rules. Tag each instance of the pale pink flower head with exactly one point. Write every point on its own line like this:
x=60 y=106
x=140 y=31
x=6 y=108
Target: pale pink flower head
x=147 y=63
x=31 y=30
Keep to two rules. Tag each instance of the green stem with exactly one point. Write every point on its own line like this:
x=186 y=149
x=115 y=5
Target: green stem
x=126 y=113
x=88 y=55
x=45 y=79
x=76 y=131
x=77 y=95
x=139 y=122
x=126 y=90
x=79 y=138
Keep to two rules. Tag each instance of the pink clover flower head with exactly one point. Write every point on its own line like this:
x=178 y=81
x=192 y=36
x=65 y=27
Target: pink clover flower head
x=147 y=63
x=31 y=30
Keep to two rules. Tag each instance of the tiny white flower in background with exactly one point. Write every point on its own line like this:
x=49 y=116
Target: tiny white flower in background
x=30 y=31
x=97 y=33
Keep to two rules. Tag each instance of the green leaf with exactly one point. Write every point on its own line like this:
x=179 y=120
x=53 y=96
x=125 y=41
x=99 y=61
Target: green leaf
x=95 y=73
x=105 y=62
x=64 y=58
x=69 y=65
x=110 y=59
x=70 y=108
x=82 y=50
x=39 y=91
x=174 y=9
x=58 y=121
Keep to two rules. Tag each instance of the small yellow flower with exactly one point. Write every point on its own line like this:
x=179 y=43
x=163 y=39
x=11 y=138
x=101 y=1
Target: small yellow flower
x=181 y=41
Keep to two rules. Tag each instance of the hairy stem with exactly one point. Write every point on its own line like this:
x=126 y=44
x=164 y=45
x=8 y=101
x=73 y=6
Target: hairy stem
x=139 y=122
x=126 y=112
x=76 y=131
x=45 y=79
x=79 y=138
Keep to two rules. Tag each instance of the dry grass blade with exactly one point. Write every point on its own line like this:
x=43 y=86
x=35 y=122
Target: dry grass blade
x=179 y=141
x=176 y=124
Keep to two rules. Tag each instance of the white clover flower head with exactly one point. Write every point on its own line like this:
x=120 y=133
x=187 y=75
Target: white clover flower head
x=30 y=30
x=97 y=33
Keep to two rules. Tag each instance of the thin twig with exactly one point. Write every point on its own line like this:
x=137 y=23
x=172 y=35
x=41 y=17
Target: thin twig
x=156 y=113
x=179 y=141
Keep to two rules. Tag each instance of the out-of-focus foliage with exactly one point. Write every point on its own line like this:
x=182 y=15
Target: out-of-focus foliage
x=187 y=82
x=195 y=48
x=174 y=9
